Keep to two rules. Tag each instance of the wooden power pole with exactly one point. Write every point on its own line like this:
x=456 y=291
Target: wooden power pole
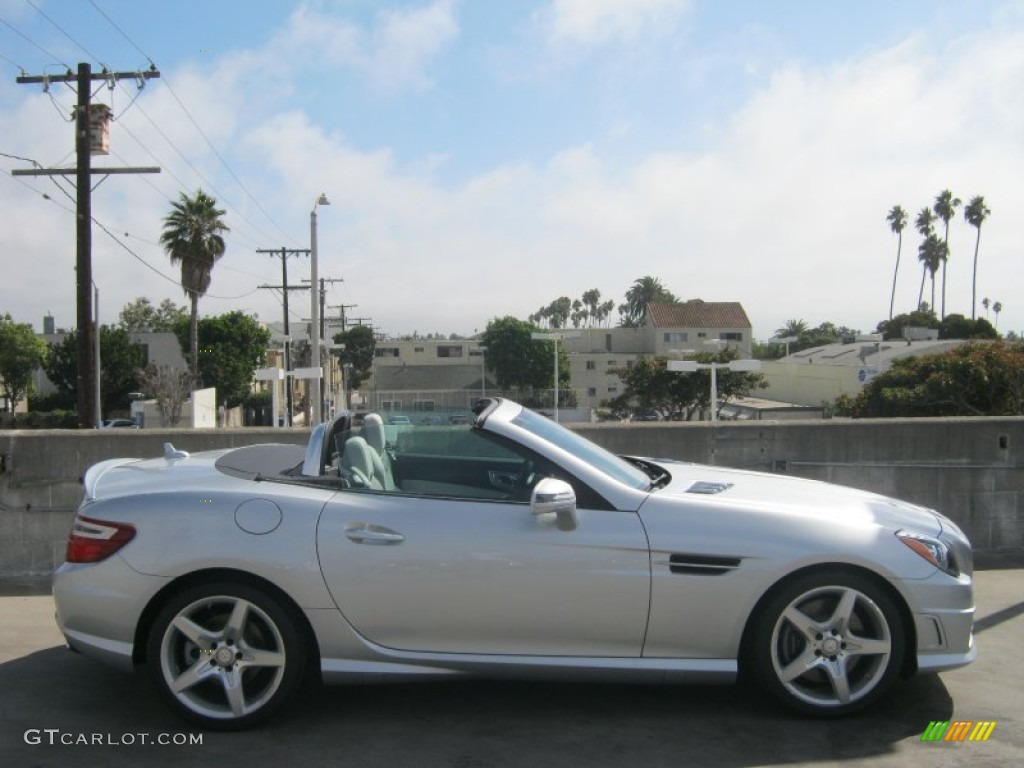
x=88 y=365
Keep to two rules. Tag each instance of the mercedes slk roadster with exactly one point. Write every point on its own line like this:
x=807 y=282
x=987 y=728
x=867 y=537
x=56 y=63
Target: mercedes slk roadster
x=507 y=547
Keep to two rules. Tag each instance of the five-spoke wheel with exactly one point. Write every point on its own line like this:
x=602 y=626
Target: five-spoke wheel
x=225 y=655
x=828 y=644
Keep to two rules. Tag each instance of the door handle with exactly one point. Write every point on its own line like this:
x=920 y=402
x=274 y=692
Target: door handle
x=364 y=533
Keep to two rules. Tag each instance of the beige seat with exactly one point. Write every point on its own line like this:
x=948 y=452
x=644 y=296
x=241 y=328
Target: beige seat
x=373 y=432
x=357 y=463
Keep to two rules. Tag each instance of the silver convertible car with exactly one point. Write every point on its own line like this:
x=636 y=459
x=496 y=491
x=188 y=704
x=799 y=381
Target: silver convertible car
x=508 y=547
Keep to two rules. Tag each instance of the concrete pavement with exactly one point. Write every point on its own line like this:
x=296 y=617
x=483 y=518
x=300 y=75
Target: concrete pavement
x=50 y=695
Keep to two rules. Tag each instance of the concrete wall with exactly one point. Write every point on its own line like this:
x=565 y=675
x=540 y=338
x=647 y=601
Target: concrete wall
x=970 y=469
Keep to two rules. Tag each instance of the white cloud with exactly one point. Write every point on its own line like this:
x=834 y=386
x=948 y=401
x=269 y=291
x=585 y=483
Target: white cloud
x=396 y=51
x=591 y=22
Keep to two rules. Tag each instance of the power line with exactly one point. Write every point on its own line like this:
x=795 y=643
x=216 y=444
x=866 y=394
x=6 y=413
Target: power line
x=60 y=29
x=13 y=63
x=33 y=42
x=123 y=33
x=195 y=124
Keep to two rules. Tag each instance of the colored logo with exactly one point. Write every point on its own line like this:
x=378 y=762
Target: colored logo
x=958 y=730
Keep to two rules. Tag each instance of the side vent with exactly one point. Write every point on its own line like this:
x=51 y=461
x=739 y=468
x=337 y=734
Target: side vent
x=708 y=489
x=702 y=565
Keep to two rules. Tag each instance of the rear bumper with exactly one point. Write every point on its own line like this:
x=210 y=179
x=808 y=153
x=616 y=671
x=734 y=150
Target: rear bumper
x=99 y=605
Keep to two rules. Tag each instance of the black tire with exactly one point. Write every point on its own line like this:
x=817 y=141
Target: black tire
x=828 y=644
x=225 y=655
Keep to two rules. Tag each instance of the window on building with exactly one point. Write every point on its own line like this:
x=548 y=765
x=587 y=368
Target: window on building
x=630 y=364
x=423 y=405
x=613 y=363
x=591 y=391
x=385 y=352
x=731 y=336
x=449 y=350
x=390 y=405
x=613 y=390
x=591 y=365
x=417 y=349
x=676 y=336
x=701 y=335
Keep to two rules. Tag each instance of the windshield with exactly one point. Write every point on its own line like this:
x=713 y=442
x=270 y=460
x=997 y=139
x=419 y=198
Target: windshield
x=593 y=454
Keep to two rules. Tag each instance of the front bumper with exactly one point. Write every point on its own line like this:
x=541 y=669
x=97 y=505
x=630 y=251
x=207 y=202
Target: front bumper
x=944 y=622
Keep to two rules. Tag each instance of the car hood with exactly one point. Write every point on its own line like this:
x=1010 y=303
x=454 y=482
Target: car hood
x=788 y=496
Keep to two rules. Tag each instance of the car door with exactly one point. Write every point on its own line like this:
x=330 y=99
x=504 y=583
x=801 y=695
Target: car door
x=456 y=571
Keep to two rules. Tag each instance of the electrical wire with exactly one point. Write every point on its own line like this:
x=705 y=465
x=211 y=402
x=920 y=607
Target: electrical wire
x=33 y=42
x=123 y=33
x=195 y=123
x=60 y=29
x=13 y=63
x=116 y=239
x=210 y=185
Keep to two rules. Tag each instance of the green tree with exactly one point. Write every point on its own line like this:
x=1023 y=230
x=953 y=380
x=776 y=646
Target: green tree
x=360 y=344
x=893 y=329
x=519 y=362
x=140 y=316
x=21 y=352
x=956 y=326
x=644 y=290
x=120 y=362
x=975 y=213
x=997 y=307
x=897 y=218
x=192 y=238
x=945 y=208
x=230 y=349
x=649 y=385
x=975 y=379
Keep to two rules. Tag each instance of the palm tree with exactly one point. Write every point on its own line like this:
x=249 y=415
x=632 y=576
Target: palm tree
x=997 y=307
x=975 y=213
x=945 y=208
x=643 y=291
x=985 y=303
x=192 y=238
x=923 y=223
x=931 y=253
x=897 y=218
x=791 y=328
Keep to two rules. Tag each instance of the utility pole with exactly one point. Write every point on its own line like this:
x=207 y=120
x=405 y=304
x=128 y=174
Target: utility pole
x=341 y=313
x=322 y=321
x=284 y=253
x=88 y=364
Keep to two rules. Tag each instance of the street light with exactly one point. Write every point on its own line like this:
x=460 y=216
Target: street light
x=314 y=311
x=689 y=366
x=554 y=337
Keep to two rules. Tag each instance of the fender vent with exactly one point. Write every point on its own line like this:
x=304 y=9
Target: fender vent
x=708 y=488
x=702 y=565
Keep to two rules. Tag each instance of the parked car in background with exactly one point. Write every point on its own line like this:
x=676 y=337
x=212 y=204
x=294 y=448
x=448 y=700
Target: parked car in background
x=118 y=424
x=509 y=547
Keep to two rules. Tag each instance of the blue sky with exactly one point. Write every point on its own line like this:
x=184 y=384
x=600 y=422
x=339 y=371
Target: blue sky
x=484 y=158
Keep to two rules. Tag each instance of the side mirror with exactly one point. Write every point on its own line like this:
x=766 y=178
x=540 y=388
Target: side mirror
x=555 y=497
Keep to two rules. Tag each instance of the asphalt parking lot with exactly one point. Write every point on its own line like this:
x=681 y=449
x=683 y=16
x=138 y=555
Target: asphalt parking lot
x=49 y=696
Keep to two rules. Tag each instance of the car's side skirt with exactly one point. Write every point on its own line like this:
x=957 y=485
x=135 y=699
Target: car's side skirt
x=429 y=666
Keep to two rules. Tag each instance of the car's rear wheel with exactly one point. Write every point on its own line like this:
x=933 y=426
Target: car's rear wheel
x=828 y=644
x=225 y=655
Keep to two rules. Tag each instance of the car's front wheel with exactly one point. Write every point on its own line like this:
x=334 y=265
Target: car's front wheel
x=828 y=644
x=225 y=655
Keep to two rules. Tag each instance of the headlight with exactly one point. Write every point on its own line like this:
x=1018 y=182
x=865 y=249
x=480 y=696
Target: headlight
x=935 y=551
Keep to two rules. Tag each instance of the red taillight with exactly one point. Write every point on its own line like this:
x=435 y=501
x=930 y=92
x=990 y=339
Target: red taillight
x=93 y=540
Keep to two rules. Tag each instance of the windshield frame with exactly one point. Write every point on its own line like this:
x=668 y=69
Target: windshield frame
x=600 y=459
